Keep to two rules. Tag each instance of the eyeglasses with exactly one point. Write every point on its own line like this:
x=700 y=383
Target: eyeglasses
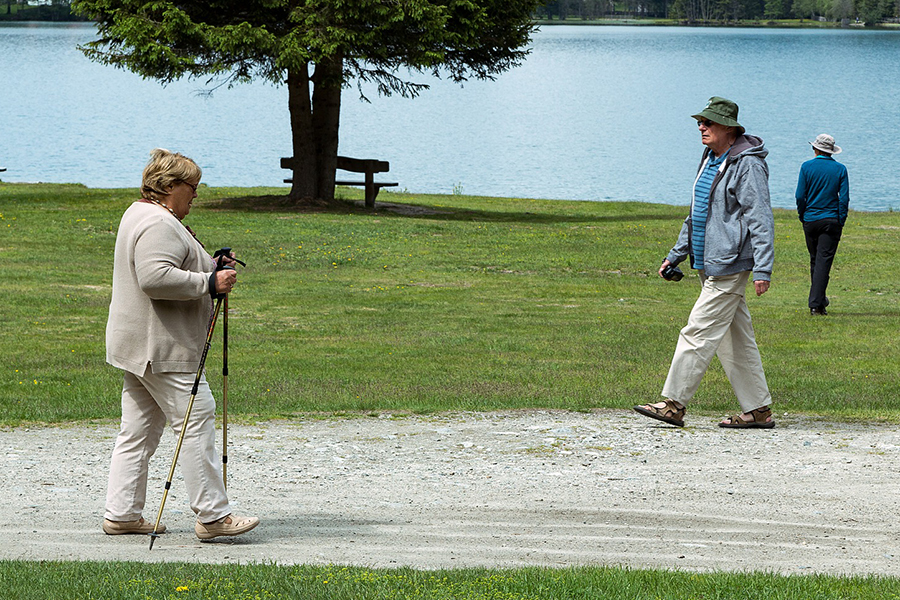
x=193 y=186
x=705 y=122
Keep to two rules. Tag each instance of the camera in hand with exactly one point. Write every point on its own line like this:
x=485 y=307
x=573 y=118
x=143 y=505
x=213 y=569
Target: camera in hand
x=672 y=273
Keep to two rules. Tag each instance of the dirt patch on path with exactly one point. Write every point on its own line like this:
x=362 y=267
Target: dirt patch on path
x=489 y=489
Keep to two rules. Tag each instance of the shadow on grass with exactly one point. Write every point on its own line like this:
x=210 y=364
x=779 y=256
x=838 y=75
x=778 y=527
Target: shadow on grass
x=284 y=204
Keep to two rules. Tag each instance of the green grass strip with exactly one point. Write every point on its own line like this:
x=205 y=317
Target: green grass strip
x=178 y=581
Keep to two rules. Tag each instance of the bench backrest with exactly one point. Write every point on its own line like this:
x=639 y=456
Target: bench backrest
x=345 y=163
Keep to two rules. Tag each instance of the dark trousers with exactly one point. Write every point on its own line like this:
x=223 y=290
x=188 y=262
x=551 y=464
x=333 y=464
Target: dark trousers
x=822 y=239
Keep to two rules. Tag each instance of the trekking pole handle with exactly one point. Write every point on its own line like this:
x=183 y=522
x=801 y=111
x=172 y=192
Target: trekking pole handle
x=221 y=254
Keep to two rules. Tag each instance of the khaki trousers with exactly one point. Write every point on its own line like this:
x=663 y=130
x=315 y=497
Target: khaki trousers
x=719 y=324
x=147 y=402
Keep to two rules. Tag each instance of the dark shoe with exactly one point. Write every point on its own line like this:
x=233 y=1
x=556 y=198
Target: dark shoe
x=762 y=419
x=123 y=527
x=670 y=413
x=226 y=526
x=818 y=312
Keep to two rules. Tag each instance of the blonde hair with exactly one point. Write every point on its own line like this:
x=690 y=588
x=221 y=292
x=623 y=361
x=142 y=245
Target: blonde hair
x=166 y=169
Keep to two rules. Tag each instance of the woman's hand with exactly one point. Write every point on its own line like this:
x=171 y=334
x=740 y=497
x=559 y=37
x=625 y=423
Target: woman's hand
x=226 y=260
x=225 y=280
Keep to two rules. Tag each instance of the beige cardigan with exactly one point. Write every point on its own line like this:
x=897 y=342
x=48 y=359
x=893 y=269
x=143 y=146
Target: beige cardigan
x=160 y=307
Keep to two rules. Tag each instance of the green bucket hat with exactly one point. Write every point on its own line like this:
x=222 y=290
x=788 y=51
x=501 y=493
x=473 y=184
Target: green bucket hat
x=721 y=111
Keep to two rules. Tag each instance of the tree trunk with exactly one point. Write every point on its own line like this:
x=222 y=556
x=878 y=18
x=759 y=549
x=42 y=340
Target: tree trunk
x=303 y=144
x=314 y=104
x=327 y=84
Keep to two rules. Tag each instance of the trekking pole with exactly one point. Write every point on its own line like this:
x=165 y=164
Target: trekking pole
x=187 y=415
x=220 y=255
x=225 y=393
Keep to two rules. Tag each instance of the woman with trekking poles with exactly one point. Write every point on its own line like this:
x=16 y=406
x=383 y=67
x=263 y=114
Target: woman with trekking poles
x=160 y=319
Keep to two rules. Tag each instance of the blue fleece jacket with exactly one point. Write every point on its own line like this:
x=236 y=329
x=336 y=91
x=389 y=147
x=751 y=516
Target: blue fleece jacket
x=823 y=190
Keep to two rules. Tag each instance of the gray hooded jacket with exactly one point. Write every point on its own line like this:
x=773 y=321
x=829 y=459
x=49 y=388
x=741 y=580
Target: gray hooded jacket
x=740 y=229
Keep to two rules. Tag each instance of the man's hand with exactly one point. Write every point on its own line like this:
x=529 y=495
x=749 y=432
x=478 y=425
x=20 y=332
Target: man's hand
x=663 y=266
x=761 y=287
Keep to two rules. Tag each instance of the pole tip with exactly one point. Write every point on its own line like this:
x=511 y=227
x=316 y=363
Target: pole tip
x=153 y=535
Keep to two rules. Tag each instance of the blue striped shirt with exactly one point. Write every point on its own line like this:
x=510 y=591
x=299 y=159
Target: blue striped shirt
x=700 y=210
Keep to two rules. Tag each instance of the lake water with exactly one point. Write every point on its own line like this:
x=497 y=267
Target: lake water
x=594 y=113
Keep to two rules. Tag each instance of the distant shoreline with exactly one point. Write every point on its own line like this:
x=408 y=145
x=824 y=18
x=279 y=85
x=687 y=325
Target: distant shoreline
x=48 y=15
x=750 y=23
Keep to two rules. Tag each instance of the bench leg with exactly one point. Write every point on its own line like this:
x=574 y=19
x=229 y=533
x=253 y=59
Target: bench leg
x=371 y=190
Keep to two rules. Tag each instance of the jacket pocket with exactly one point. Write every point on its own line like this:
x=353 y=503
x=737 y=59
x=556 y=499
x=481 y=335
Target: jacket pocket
x=734 y=242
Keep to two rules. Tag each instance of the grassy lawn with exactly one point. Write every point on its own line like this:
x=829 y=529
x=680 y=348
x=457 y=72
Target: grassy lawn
x=472 y=304
x=133 y=581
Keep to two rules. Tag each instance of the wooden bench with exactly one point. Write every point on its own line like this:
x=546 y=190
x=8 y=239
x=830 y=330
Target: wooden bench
x=367 y=166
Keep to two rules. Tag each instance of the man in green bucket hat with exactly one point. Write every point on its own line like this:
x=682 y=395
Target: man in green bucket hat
x=721 y=111
x=729 y=236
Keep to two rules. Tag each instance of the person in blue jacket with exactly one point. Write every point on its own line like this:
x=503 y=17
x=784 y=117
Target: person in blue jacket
x=823 y=199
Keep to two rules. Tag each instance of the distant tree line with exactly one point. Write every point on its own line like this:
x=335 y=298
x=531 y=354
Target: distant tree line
x=870 y=12
x=37 y=10
x=596 y=9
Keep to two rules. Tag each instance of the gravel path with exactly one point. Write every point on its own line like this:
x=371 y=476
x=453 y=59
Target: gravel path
x=489 y=489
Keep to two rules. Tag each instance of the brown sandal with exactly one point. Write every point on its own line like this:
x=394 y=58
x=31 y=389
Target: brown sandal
x=761 y=420
x=670 y=413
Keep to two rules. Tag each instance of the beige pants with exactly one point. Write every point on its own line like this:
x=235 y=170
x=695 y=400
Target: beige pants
x=147 y=402
x=719 y=325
